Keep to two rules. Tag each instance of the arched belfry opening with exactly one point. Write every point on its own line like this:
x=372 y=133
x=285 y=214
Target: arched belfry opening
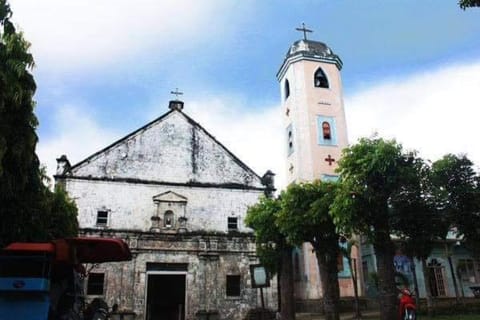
x=320 y=79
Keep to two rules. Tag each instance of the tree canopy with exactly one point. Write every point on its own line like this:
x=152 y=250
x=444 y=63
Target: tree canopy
x=371 y=174
x=29 y=211
x=457 y=187
x=468 y=3
x=273 y=250
x=305 y=217
x=262 y=217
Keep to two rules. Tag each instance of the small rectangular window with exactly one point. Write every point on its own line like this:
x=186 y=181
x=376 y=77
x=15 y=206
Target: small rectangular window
x=102 y=218
x=233 y=285
x=466 y=270
x=232 y=223
x=95 y=284
x=290 y=147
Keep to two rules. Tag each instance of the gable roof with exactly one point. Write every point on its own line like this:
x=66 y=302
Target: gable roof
x=172 y=149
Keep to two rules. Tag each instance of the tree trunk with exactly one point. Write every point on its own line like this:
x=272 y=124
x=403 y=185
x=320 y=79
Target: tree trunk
x=327 y=264
x=353 y=272
x=279 y=286
x=287 y=307
x=386 y=275
x=428 y=292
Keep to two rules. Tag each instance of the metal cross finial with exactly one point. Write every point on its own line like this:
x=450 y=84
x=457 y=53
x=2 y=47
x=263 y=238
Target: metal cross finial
x=176 y=93
x=305 y=30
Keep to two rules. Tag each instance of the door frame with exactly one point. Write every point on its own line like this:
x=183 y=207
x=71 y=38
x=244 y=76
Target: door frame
x=165 y=273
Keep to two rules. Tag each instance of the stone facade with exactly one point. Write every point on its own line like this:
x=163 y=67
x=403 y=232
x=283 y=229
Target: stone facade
x=178 y=198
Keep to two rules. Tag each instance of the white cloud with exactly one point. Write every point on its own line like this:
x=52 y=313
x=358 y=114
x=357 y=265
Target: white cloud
x=435 y=112
x=78 y=136
x=78 y=33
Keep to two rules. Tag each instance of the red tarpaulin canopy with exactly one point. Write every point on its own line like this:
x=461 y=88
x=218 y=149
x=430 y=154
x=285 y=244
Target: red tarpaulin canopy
x=97 y=250
x=31 y=247
x=77 y=250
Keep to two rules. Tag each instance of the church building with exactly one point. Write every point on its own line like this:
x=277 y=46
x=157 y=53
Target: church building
x=178 y=197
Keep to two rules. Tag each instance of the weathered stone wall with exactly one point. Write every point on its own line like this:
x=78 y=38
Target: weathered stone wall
x=131 y=206
x=210 y=258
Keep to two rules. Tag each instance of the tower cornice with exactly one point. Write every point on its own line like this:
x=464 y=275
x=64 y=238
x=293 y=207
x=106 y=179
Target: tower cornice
x=308 y=57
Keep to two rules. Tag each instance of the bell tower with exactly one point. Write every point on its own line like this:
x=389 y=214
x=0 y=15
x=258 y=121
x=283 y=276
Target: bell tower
x=314 y=117
x=315 y=134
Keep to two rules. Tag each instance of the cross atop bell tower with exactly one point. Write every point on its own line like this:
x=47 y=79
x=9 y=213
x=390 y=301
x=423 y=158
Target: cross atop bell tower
x=304 y=30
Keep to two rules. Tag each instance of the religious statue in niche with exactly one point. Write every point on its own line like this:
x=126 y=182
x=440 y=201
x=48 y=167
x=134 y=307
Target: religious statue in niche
x=168 y=219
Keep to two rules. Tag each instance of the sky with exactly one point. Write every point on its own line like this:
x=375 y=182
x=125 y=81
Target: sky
x=105 y=68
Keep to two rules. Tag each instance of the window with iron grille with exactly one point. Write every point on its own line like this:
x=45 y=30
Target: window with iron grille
x=232 y=223
x=102 y=218
x=233 y=285
x=95 y=284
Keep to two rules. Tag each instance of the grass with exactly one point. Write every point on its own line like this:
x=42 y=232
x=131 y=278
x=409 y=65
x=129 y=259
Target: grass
x=450 y=317
x=455 y=317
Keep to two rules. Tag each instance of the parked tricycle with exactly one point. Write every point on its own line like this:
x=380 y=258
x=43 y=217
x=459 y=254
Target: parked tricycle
x=44 y=281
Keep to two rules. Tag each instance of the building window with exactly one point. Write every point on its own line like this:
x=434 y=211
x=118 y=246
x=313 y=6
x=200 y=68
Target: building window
x=233 y=285
x=327 y=134
x=287 y=89
x=102 y=218
x=326 y=130
x=329 y=178
x=289 y=140
x=320 y=79
x=232 y=223
x=466 y=270
x=168 y=219
x=95 y=284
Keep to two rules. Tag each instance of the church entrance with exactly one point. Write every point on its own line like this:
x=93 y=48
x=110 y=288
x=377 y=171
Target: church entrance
x=166 y=296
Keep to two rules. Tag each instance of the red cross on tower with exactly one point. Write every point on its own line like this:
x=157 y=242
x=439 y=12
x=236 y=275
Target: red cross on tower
x=329 y=159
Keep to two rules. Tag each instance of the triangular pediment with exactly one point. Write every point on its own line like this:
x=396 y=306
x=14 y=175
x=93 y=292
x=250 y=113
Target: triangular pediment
x=169 y=196
x=171 y=149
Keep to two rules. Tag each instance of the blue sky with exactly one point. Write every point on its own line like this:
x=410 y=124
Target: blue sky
x=104 y=68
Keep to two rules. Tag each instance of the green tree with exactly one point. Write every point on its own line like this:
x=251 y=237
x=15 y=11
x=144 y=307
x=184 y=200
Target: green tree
x=416 y=219
x=468 y=3
x=305 y=217
x=273 y=250
x=371 y=173
x=25 y=202
x=457 y=188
